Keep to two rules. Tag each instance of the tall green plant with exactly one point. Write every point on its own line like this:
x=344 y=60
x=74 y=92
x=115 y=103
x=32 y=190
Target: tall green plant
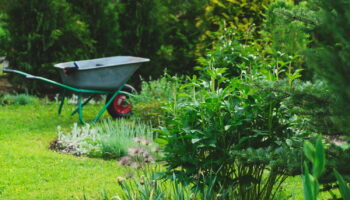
x=343 y=187
x=316 y=155
x=226 y=126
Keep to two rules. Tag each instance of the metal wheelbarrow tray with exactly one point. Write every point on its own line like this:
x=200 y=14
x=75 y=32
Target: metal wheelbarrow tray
x=96 y=76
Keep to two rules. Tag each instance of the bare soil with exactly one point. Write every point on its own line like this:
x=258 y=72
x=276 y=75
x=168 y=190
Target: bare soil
x=5 y=86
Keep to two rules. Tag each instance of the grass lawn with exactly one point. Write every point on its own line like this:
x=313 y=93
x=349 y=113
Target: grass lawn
x=29 y=170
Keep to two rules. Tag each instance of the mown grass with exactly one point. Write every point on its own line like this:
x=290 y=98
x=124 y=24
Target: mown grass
x=29 y=170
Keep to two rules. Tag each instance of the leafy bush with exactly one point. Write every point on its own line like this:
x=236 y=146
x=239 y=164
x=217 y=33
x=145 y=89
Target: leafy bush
x=250 y=58
x=229 y=128
x=19 y=99
x=244 y=15
x=153 y=96
x=230 y=52
x=111 y=139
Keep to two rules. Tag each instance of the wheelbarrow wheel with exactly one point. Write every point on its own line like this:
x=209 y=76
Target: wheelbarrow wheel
x=120 y=107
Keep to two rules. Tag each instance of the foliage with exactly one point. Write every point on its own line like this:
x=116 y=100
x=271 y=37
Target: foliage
x=344 y=189
x=2 y=34
x=19 y=99
x=148 y=186
x=316 y=155
x=108 y=140
x=102 y=18
x=182 y=35
x=226 y=126
x=171 y=23
x=229 y=52
x=153 y=96
x=41 y=33
x=250 y=58
x=329 y=56
x=288 y=25
x=140 y=24
x=75 y=33
x=244 y=15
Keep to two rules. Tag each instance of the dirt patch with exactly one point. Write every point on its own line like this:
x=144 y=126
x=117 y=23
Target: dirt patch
x=5 y=86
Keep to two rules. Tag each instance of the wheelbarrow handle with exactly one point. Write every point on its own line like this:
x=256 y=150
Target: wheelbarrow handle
x=6 y=70
x=29 y=76
x=9 y=70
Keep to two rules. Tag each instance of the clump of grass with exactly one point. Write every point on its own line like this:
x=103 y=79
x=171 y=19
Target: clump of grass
x=148 y=104
x=109 y=140
x=18 y=99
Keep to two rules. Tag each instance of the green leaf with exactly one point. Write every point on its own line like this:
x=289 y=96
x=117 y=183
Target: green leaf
x=161 y=141
x=310 y=151
x=308 y=184
x=195 y=140
x=227 y=127
x=344 y=189
x=320 y=159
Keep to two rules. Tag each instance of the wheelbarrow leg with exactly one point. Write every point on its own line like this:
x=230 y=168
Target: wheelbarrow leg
x=63 y=96
x=80 y=110
x=84 y=103
x=107 y=104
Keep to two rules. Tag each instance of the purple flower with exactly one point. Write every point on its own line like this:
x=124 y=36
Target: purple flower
x=155 y=149
x=146 y=142
x=137 y=139
x=133 y=151
x=150 y=159
x=125 y=161
x=136 y=165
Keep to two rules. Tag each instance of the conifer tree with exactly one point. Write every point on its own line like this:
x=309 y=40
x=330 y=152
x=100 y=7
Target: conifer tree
x=330 y=58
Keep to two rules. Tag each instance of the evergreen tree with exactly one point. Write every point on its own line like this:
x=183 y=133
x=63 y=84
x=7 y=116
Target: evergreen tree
x=330 y=56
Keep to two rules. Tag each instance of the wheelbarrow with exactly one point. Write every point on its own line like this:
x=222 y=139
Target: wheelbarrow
x=101 y=76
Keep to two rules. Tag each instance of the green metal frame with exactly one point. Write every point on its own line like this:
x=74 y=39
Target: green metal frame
x=79 y=92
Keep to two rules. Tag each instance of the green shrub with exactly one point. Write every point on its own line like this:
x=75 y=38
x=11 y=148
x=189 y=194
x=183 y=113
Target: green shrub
x=119 y=136
x=228 y=51
x=19 y=99
x=244 y=15
x=152 y=98
x=110 y=139
x=230 y=128
x=42 y=33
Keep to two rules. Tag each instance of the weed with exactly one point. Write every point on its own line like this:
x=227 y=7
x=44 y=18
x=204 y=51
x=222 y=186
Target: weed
x=19 y=99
